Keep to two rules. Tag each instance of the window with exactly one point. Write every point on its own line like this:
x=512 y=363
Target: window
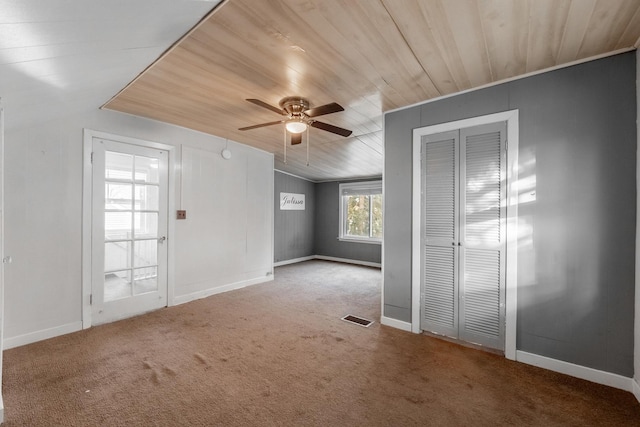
x=361 y=211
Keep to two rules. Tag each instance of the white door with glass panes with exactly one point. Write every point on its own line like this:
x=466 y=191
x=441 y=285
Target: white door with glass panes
x=129 y=229
x=463 y=234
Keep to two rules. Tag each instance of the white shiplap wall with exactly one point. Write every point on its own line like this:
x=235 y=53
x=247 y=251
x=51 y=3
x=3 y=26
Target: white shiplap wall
x=44 y=218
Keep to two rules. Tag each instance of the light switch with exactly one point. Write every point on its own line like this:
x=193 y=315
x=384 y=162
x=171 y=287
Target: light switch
x=182 y=214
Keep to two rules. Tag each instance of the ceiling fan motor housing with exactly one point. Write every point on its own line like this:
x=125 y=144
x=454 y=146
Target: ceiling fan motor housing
x=295 y=107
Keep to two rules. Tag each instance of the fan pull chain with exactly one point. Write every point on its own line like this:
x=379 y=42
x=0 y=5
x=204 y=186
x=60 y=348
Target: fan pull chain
x=285 y=144
x=308 y=130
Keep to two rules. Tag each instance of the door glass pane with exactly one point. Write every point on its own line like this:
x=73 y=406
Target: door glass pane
x=117 y=225
x=117 y=256
x=146 y=225
x=146 y=253
x=118 y=166
x=147 y=197
x=146 y=280
x=117 y=196
x=147 y=169
x=117 y=285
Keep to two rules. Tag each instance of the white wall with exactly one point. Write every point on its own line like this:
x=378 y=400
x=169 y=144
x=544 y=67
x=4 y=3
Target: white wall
x=223 y=242
x=43 y=218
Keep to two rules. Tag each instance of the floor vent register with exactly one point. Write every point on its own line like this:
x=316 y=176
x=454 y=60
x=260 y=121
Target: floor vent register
x=357 y=320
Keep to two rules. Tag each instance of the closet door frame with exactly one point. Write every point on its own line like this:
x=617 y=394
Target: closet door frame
x=511 y=119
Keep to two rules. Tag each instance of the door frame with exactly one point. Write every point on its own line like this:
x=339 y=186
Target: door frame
x=3 y=260
x=87 y=214
x=511 y=273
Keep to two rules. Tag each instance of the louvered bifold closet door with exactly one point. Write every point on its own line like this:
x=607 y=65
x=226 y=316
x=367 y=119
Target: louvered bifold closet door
x=439 y=256
x=482 y=235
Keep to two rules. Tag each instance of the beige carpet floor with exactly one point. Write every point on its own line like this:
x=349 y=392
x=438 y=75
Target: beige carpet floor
x=277 y=354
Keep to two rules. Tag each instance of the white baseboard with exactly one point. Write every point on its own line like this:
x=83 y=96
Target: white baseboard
x=349 y=261
x=294 y=260
x=589 y=374
x=181 y=299
x=394 y=323
x=635 y=389
x=1 y=409
x=328 y=258
x=44 y=334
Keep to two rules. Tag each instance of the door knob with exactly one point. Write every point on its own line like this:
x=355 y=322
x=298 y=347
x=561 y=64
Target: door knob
x=162 y=239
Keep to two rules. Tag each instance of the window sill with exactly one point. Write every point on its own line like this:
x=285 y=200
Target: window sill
x=356 y=240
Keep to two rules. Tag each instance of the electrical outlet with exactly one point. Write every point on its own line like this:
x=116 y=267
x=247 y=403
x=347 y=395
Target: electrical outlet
x=182 y=214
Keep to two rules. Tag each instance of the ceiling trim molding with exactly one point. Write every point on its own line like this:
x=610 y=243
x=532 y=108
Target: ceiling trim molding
x=522 y=76
x=364 y=178
x=205 y=18
x=295 y=176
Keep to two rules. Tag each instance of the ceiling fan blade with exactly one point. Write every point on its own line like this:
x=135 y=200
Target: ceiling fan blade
x=296 y=138
x=324 y=109
x=261 y=125
x=267 y=106
x=331 y=128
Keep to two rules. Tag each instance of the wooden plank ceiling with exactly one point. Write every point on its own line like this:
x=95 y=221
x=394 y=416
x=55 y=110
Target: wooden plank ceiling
x=369 y=56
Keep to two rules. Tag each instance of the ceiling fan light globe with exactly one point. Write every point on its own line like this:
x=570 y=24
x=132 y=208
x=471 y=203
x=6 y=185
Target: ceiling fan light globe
x=295 y=126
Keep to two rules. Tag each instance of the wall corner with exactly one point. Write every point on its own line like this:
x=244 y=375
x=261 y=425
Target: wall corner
x=636 y=348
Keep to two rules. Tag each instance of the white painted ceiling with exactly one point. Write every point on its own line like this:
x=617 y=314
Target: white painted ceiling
x=59 y=57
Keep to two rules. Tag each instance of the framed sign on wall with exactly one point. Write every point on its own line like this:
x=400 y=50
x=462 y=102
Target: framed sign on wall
x=291 y=202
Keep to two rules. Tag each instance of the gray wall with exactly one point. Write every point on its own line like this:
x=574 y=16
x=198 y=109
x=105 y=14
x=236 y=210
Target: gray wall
x=327 y=228
x=314 y=231
x=576 y=254
x=293 y=230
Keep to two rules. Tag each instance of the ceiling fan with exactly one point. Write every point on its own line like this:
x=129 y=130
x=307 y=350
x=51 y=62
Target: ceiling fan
x=298 y=117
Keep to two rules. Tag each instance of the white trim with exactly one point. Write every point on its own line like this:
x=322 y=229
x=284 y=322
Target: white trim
x=171 y=221
x=366 y=187
x=88 y=136
x=349 y=261
x=371 y=241
x=582 y=372
x=358 y=178
x=636 y=343
x=294 y=260
x=511 y=279
x=43 y=334
x=182 y=299
x=416 y=225
x=295 y=176
x=324 y=181
x=2 y=163
x=327 y=258
x=516 y=78
x=635 y=389
x=395 y=323
x=85 y=256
